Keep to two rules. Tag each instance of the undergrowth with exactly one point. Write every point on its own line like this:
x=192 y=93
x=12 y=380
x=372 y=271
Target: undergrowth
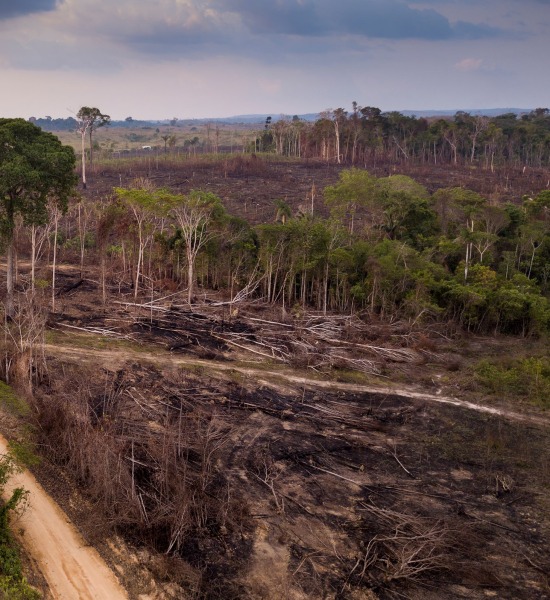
x=525 y=379
x=12 y=401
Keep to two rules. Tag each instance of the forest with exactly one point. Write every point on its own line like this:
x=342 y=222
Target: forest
x=366 y=135
x=273 y=374
x=387 y=248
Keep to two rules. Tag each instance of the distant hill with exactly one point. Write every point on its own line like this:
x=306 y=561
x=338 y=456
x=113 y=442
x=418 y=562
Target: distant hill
x=478 y=112
x=260 y=118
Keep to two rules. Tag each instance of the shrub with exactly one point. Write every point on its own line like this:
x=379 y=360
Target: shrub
x=527 y=379
x=12 y=583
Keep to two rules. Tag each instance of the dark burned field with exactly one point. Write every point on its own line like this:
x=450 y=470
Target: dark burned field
x=249 y=185
x=231 y=475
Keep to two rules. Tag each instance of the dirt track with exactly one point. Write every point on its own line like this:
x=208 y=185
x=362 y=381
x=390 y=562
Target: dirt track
x=73 y=570
x=275 y=379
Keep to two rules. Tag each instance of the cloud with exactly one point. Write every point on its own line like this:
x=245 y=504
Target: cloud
x=471 y=31
x=17 y=8
x=84 y=34
x=469 y=64
x=385 y=19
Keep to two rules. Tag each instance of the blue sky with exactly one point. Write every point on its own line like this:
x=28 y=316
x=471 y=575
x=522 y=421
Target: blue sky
x=210 y=58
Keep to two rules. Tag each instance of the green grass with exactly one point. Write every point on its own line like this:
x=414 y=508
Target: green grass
x=526 y=379
x=12 y=401
x=93 y=341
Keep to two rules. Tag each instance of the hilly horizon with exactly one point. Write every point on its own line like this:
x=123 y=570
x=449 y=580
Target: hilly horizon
x=312 y=116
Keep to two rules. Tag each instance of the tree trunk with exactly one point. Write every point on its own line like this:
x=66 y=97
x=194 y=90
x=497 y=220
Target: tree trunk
x=33 y=256
x=91 y=150
x=10 y=279
x=54 y=262
x=190 y=278
x=83 y=160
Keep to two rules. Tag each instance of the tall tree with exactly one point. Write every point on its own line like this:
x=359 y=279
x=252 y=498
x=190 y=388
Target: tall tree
x=463 y=206
x=338 y=119
x=89 y=120
x=195 y=215
x=355 y=188
x=35 y=169
x=146 y=205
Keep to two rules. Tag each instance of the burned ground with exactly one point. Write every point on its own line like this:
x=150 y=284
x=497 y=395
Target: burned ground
x=259 y=487
x=206 y=441
x=249 y=186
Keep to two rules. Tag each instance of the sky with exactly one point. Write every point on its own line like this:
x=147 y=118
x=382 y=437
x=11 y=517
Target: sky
x=159 y=59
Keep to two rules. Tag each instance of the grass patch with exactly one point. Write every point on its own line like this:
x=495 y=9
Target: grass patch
x=527 y=379
x=24 y=453
x=10 y=400
x=93 y=341
x=350 y=376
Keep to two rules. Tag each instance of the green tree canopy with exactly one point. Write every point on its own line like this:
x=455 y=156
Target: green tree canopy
x=355 y=188
x=35 y=169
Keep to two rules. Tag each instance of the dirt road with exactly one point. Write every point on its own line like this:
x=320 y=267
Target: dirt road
x=115 y=358
x=73 y=570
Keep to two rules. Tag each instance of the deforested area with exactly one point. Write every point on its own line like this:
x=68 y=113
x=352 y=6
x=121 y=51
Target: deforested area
x=255 y=376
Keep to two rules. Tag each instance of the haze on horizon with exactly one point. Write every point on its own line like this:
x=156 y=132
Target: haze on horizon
x=216 y=58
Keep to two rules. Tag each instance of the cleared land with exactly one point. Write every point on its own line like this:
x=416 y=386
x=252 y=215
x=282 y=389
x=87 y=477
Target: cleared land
x=213 y=453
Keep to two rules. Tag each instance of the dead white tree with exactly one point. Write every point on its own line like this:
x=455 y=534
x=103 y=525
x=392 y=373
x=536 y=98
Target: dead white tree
x=195 y=215
x=147 y=206
x=55 y=217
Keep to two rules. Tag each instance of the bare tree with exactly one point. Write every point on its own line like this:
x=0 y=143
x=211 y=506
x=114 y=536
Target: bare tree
x=38 y=234
x=149 y=207
x=55 y=217
x=195 y=215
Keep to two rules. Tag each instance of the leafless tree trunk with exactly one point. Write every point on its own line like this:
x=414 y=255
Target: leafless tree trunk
x=56 y=215
x=38 y=235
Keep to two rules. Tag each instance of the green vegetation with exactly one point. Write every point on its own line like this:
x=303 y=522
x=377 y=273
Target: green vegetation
x=37 y=179
x=364 y=135
x=13 y=585
x=12 y=401
x=389 y=249
x=526 y=379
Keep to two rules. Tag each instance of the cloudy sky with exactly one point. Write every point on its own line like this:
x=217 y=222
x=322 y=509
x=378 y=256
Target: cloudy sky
x=159 y=59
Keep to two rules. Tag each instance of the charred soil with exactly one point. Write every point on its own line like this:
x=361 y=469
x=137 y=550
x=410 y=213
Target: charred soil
x=226 y=478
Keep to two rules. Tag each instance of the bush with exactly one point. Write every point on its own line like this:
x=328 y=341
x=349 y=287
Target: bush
x=12 y=583
x=527 y=379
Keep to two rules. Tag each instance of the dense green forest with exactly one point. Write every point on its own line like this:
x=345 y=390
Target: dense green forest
x=387 y=249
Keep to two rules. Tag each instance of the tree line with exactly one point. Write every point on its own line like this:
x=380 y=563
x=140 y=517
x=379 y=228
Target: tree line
x=366 y=136
x=388 y=250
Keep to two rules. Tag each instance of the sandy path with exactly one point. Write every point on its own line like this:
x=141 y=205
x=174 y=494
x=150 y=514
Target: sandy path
x=116 y=358
x=73 y=570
